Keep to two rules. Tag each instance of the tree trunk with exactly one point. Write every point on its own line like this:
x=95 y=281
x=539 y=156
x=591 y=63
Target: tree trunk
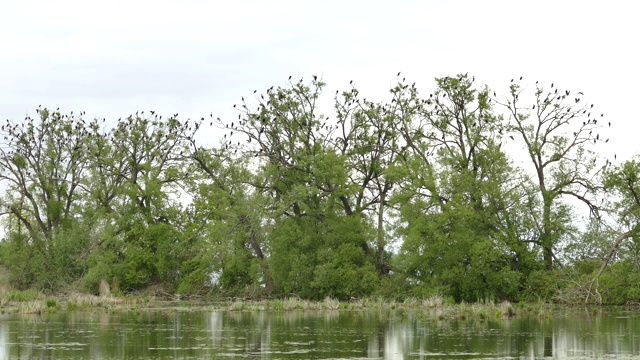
x=546 y=239
x=606 y=261
x=381 y=229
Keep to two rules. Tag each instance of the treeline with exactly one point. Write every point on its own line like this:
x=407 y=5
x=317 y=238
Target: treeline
x=414 y=196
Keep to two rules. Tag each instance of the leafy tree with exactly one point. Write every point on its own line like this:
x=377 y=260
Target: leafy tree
x=461 y=230
x=557 y=131
x=367 y=136
x=306 y=178
x=623 y=183
x=224 y=200
x=42 y=164
x=137 y=182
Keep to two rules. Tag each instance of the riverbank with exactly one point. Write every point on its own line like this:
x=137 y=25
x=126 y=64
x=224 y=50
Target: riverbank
x=436 y=307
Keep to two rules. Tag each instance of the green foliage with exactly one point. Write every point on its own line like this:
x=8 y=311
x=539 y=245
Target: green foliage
x=541 y=286
x=624 y=181
x=51 y=268
x=51 y=303
x=558 y=133
x=295 y=203
x=621 y=284
x=21 y=295
x=316 y=259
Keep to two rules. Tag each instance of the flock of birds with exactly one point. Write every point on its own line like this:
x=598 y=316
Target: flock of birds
x=273 y=108
x=267 y=109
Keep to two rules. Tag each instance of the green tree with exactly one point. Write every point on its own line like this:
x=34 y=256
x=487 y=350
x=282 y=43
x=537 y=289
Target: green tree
x=623 y=185
x=137 y=182
x=42 y=164
x=367 y=135
x=462 y=235
x=307 y=180
x=557 y=131
x=225 y=199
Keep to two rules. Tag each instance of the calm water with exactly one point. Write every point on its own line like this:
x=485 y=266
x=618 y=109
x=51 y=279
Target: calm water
x=399 y=334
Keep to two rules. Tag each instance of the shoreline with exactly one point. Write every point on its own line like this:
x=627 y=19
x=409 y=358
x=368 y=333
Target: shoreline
x=433 y=308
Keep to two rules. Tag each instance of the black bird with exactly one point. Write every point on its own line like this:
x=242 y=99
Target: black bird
x=520 y=77
x=609 y=123
x=398 y=73
x=351 y=82
x=289 y=77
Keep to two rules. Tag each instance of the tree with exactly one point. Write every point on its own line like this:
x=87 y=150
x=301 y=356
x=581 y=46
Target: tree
x=306 y=178
x=459 y=199
x=233 y=215
x=623 y=184
x=137 y=180
x=42 y=164
x=366 y=135
x=557 y=131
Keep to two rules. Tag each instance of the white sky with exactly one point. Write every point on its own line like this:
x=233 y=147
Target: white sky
x=111 y=58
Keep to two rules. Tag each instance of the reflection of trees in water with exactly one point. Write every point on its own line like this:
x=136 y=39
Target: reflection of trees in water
x=329 y=334
x=561 y=336
x=4 y=347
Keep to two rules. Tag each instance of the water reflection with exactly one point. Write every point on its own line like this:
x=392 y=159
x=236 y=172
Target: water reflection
x=379 y=334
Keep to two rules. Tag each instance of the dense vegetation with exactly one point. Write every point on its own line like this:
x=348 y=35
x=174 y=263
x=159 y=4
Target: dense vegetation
x=461 y=192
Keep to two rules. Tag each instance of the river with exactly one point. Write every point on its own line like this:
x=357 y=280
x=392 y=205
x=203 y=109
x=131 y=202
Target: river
x=336 y=334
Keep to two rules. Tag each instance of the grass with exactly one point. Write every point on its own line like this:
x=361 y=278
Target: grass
x=21 y=296
x=32 y=307
x=434 y=307
x=30 y=302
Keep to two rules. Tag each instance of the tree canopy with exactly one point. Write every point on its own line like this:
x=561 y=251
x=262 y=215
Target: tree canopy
x=464 y=191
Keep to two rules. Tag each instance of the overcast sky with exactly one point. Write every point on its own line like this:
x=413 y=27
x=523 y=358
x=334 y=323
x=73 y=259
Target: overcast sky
x=111 y=58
